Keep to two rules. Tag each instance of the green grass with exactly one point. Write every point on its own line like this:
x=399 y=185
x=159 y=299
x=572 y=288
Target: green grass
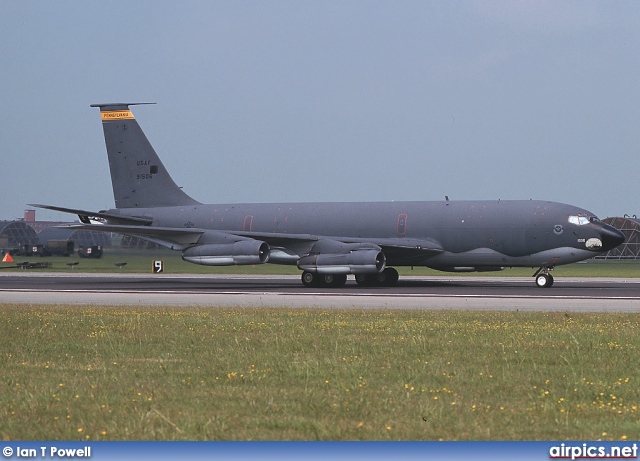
x=140 y=261
x=307 y=374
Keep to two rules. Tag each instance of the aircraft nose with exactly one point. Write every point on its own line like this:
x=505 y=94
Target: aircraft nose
x=611 y=237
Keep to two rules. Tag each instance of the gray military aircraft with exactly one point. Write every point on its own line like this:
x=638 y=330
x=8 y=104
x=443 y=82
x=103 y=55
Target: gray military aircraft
x=328 y=241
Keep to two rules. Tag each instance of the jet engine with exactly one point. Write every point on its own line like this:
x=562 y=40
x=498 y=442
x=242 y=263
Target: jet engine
x=367 y=261
x=244 y=252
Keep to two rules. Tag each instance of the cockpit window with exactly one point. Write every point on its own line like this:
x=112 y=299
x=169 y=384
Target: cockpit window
x=582 y=220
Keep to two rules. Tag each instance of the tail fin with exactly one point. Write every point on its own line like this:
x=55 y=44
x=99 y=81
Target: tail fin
x=138 y=177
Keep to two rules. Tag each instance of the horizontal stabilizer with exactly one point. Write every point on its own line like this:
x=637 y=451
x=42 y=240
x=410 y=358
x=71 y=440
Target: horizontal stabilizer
x=118 y=105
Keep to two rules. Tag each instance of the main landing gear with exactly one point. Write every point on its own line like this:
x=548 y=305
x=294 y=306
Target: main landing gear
x=386 y=278
x=310 y=279
x=543 y=278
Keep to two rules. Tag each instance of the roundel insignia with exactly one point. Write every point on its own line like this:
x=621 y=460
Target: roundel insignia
x=558 y=229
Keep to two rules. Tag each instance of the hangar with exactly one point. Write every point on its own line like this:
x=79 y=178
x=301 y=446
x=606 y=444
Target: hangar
x=55 y=231
x=30 y=237
x=16 y=234
x=81 y=238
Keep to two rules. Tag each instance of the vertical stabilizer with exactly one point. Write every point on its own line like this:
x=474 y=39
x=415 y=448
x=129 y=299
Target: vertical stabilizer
x=138 y=177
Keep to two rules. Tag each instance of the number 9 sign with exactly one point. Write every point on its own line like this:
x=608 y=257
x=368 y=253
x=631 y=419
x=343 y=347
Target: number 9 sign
x=158 y=267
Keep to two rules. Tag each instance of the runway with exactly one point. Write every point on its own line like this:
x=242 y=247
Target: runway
x=443 y=292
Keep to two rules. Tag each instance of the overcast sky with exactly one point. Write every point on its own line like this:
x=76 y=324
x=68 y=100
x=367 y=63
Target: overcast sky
x=284 y=101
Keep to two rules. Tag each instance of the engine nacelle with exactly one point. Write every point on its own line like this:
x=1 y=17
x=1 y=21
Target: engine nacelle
x=244 y=252
x=354 y=262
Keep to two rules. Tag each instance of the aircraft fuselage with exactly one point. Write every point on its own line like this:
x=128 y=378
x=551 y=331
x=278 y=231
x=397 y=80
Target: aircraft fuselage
x=473 y=234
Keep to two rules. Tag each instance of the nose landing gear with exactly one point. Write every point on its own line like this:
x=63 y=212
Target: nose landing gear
x=543 y=278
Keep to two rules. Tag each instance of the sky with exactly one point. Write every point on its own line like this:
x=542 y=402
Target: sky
x=299 y=101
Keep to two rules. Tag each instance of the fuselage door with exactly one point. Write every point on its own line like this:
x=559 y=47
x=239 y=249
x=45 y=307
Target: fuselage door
x=401 y=224
x=247 y=224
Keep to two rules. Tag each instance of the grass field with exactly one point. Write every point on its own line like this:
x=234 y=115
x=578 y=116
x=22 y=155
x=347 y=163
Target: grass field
x=306 y=374
x=140 y=261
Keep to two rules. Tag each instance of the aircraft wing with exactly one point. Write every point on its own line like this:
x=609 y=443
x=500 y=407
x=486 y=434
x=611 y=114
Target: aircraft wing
x=172 y=237
x=276 y=239
x=85 y=216
x=404 y=248
x=423 y=245
x=418 y=246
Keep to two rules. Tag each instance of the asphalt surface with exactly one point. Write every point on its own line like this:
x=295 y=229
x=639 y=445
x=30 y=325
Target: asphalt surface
x=448 y=292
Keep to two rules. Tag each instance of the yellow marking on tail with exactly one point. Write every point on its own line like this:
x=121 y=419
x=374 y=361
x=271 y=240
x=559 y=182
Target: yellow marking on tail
x=116 y=114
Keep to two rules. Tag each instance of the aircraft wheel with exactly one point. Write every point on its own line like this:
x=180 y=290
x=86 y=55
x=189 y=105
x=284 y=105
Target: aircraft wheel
x=544 y=280
x=309 y=279
x=386 y=278
x=390 y=277
x=339 y=280
x=325 y=280
x=333 y=280
x=364 y=280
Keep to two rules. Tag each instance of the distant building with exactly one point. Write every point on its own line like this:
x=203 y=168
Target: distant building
x=134 y=242
x=16 y=234
x=80 y=238
x=29 y=236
